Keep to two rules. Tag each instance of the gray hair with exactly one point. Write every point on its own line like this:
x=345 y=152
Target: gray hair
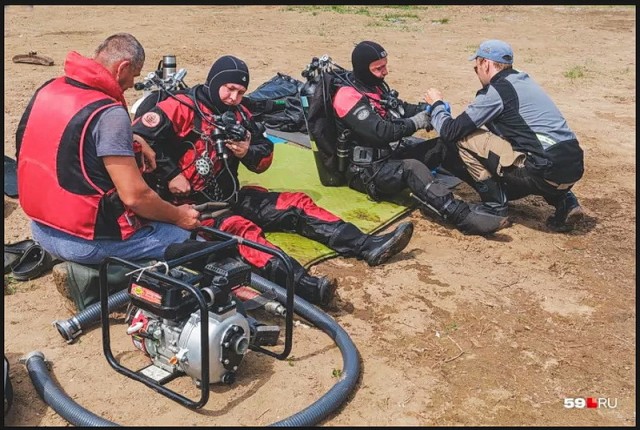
x=120 y=47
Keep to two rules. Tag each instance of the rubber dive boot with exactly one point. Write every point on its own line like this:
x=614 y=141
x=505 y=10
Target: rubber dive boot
x=493 y=196
x=568 y=213
x=318 y=290
x=469 y=219
x=378 y=249
x=349 y=241
x=473 y=219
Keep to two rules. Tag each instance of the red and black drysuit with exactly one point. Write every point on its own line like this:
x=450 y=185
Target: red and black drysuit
x=376 y=168
x=181 y=133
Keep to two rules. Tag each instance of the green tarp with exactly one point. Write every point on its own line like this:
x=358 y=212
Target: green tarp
x=294 y=169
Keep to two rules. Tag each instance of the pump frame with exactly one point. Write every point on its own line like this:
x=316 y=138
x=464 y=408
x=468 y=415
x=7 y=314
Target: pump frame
x=228 y=241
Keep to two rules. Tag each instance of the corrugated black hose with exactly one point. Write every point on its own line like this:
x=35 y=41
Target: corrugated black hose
x=309 y=416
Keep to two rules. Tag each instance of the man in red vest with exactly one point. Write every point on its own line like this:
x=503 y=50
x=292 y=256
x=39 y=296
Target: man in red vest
x=78 y=179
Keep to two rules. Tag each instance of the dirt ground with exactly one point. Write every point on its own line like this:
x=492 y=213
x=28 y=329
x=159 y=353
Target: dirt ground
x=454 y=331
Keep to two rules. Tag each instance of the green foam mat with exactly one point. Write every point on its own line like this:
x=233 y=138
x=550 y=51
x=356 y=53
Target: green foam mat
x=294 y=169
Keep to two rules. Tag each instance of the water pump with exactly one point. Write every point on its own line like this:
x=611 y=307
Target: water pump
x=165 y=322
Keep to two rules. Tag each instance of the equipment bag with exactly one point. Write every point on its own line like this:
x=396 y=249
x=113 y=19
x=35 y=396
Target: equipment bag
x=276 y=103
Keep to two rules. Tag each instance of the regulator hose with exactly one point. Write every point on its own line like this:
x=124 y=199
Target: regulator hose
x=56 y=398
x=309 y=416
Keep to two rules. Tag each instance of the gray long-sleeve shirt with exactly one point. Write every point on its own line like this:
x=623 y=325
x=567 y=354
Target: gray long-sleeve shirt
x=514 y=107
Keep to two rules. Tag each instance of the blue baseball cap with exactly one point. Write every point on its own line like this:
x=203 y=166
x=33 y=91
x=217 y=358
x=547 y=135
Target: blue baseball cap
x=494 y=50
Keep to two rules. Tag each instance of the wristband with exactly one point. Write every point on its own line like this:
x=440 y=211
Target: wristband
x=447 y=107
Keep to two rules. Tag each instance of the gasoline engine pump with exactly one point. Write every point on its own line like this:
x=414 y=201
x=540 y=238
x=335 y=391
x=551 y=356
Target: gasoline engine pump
x=185 y=317
x=166 y=325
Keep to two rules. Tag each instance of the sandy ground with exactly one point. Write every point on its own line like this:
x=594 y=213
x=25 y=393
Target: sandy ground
x=455 y=331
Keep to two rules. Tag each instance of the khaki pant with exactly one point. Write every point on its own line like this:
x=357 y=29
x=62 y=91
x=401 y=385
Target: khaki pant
x=485 y=155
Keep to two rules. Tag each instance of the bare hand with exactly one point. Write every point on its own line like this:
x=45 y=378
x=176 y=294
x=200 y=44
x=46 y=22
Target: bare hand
x=188 y=217
x=179 y=186
x=433 y=95
x=239 y=148
x=148 y=155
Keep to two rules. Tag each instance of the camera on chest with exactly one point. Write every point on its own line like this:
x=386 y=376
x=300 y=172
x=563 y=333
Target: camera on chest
x=228 y=128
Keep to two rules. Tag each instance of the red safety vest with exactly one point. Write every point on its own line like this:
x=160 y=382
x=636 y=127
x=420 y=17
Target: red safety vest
x=51 y=152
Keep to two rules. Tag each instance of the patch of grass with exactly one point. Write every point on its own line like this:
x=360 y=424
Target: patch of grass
x=362 y=11
x=440 y=21
x=340 y=9
x=451 y=327
x=382 y=16
x=9 y=285
x=575 y=72
x=363 y=214
x=337 y=373
x=291 y=360
x=399 y=16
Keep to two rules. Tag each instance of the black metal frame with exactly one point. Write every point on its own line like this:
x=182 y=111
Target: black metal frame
x=229 y=240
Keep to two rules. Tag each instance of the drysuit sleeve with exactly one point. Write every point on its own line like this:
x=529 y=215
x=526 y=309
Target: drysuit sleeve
x=260 y=153
x=163 y=127
x=411 y=109
x=367 y=125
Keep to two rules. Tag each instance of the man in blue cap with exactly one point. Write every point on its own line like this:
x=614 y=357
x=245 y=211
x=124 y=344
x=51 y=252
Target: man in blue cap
x=511 y=141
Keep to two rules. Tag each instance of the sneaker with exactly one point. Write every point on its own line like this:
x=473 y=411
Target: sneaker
x=568 y=213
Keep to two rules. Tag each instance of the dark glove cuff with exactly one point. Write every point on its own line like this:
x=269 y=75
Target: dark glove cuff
x=437 y=103
x=410 y=126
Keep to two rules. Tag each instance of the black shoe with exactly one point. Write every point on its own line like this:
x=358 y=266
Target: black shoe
x=318 y=290
x=568 y=213
x=378 y=249
x=479 y=220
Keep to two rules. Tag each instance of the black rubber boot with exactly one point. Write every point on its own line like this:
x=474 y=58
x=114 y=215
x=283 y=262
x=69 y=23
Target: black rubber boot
x=568 y=213
x=350 y=241
x=469 y=219
x=493 y=196
x=378 y=249
x=318 y=290
x=473 y=219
